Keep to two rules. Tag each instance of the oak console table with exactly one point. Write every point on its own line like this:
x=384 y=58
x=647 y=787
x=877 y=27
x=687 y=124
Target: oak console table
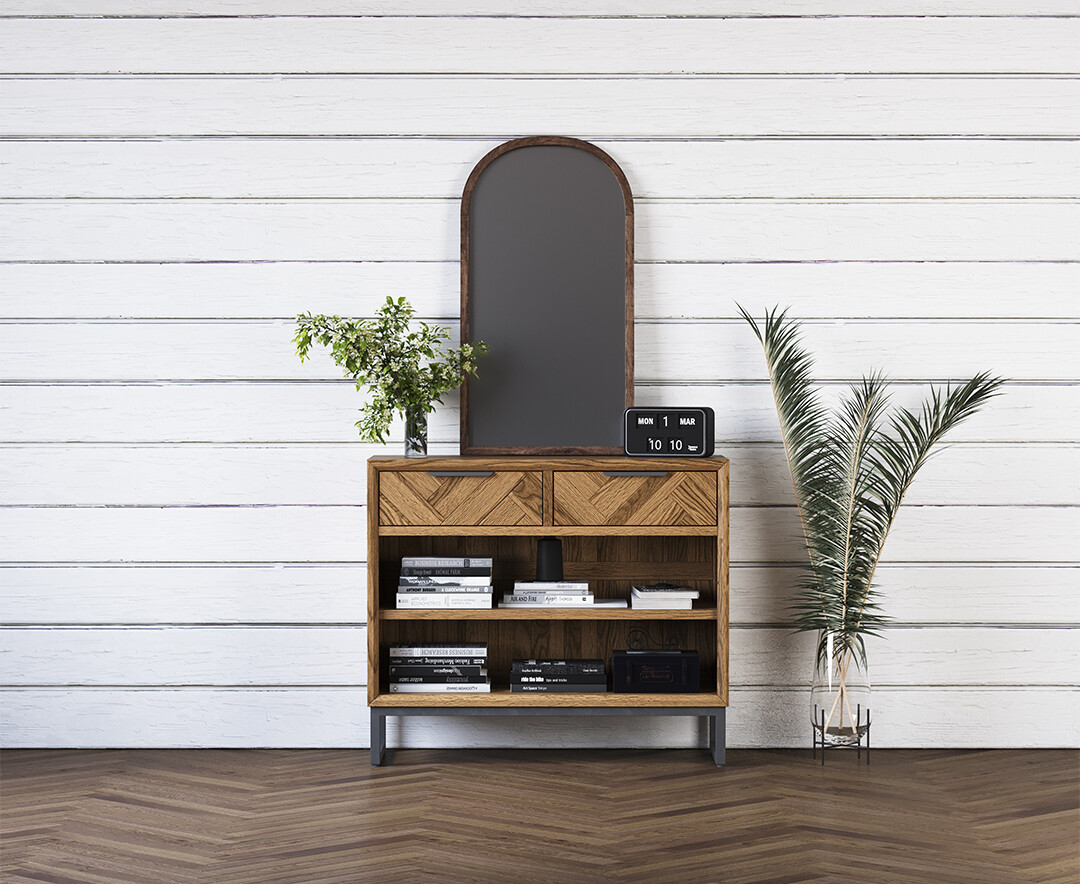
x=621 y=520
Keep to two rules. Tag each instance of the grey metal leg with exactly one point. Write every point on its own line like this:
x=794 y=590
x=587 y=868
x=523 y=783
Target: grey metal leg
x=378 y=736
x=718 y=736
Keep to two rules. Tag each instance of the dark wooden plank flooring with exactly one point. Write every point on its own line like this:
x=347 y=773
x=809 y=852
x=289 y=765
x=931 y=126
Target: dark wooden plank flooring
x=258 y=816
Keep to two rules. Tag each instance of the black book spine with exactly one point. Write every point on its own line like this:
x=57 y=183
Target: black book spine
x=420 y=571
x=557 y=688
x=439 y=679
x=421 y=670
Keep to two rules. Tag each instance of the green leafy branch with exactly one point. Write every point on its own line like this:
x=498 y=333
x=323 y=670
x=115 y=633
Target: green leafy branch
x=404 y=370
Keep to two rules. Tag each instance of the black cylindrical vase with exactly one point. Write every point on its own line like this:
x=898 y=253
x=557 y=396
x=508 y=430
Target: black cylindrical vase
x=549 y=559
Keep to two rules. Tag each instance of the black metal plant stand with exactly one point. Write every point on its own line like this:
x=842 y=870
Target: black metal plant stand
x=858 y=732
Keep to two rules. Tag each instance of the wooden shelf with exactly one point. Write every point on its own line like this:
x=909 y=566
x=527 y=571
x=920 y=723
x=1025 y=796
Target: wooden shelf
x=503 y=697
x=548 y=614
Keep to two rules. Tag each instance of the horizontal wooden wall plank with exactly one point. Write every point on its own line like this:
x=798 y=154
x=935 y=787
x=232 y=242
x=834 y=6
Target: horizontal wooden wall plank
x=926 y=534
x=937 y=594
x=189 y=655
x=428 y=230
x=269 y=656
x=186 y=534
x=505 y=45
x=244 y=168
x=337 y=717
x=184 y=594
x=665 y=351
x=325 y=412
x=189 y=475
x=874 y=290
x=321 y=594
x=456 y=8
x=336 y=534
x=507 y=107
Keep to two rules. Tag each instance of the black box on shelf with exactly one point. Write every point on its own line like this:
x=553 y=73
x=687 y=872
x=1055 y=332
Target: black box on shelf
x=655 y=672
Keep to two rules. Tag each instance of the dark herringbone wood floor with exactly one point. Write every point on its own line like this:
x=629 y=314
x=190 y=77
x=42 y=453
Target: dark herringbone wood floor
x=538 y=816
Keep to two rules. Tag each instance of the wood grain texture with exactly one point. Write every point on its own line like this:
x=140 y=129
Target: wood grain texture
x=88 y=474
x=737 y=8
x=503 y=108
x=272 y=290
x=597 y=498
x=334 y=534
x=671 y=351
x=503 y=45
x=323 y=815
x=435 y=168
x=426 y=230
x=269 y=412
x=506 y=497
x=143 y=593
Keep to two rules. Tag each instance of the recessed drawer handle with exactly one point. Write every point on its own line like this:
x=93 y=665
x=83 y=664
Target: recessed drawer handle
x=615 y=474
x=439 y=474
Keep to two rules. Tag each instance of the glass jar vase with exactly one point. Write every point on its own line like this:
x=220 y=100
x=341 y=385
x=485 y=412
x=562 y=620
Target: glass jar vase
x=840 y=692
x=415 y=432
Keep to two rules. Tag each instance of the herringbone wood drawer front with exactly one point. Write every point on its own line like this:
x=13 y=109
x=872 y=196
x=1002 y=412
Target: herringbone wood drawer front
x=504 y=497
x=597 y=498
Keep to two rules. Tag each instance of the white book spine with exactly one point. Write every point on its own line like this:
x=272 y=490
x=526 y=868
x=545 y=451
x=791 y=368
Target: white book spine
x=409 y=688
x=429 y=600
x=476 y=650
x=440 y=562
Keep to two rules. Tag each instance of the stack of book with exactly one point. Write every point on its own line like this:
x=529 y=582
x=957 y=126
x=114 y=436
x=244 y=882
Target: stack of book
x=663 y=596
x=439 y=669
x=557 y=676
x=555 y=594
x=437 y=582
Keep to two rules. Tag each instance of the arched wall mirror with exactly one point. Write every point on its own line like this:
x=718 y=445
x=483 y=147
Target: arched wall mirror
x=547 y=280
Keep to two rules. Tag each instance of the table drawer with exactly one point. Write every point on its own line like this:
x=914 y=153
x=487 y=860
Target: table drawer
x=635 y=497
x=481 y=497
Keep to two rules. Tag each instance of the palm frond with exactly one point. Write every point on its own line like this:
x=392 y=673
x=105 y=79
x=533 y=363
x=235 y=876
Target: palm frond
x=850 y=471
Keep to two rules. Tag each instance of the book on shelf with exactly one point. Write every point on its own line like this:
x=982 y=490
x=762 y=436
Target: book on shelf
x=414 y=670
x=438 y=661
x=540 y=676
x=516 y=688
x=436 y=582
x=446 y=562
x=532 y=600
x=436 y=600
x=458 y=649
x=663 y=590
x=439 y=679
x=564 y=667
x=561 y=600
x=662 y=604
x=598 y=678
x=396 y=688
x=418 y=571
x=532 y=585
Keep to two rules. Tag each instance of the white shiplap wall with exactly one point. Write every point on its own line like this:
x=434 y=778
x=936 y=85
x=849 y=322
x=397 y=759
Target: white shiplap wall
x=182 y=500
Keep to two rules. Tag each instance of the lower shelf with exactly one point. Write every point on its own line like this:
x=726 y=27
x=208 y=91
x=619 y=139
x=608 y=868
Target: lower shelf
x=715 y=715
x=502 y=697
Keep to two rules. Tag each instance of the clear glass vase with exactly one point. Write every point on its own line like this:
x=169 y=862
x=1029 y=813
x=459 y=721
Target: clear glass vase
x=415 y=432
x=840 y=693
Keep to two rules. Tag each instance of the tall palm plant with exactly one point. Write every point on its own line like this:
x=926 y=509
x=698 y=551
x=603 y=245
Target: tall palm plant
x=851 y=469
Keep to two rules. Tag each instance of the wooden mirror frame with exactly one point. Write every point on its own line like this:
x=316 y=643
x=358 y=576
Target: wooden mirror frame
x=467 y=448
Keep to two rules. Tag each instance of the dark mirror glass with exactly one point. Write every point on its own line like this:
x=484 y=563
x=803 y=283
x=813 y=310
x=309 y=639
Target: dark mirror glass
x=547 y=282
